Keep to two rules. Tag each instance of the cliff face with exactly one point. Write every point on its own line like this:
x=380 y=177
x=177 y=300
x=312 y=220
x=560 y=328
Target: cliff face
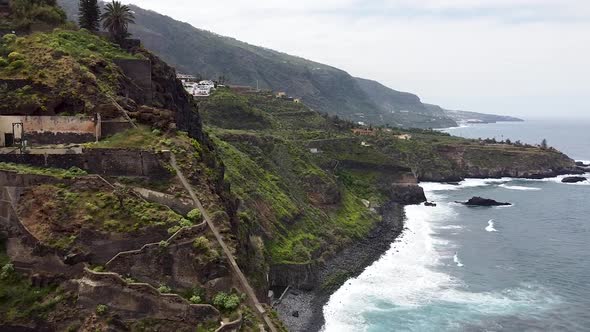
x=494 y=162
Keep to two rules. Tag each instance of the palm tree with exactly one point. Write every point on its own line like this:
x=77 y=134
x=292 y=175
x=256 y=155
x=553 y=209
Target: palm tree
x=116 y=19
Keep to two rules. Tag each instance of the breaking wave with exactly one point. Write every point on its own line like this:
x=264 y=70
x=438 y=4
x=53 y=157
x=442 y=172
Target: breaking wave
x=490 y=227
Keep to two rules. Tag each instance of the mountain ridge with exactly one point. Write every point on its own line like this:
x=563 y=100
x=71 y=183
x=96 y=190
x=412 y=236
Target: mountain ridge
x=322 y=87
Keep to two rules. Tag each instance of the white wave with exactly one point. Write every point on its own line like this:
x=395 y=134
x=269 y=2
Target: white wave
x=490 y=227
x=450 y=227
x=558 y=179
x=457 y=261
x=408 y=280
x=506 y=186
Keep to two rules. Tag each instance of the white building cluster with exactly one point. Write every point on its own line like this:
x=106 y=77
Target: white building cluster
x=196 y=89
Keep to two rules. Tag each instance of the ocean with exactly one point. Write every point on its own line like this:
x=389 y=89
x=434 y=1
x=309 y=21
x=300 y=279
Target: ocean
x=524 y=267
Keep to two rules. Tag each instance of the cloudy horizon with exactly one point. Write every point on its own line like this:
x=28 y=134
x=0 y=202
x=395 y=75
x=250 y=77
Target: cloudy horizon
x=520 y=57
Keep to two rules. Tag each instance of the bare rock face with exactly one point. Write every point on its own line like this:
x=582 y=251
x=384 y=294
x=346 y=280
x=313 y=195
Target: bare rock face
x=574 y=179
x=479 y=201
x=407 y=193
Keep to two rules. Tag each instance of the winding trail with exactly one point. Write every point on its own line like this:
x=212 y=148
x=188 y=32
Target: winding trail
x=260 y=311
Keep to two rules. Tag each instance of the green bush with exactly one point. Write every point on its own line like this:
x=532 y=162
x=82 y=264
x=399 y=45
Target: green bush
x=101 y=309
x=14 y=56
x=6 y=271
x=185 y=222
x=3 y=62
x=195 y=216
x=227 y=302
x=195 y=299
x=164 y=289
x=202 y=243
x=9 y=38
x=17 y=64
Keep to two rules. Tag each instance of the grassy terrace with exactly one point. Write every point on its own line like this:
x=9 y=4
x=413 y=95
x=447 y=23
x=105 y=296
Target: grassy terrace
x=56 y=213
x=55 y=172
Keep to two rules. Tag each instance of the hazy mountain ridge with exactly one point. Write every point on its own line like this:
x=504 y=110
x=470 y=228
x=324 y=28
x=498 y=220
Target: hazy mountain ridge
x=322 y=87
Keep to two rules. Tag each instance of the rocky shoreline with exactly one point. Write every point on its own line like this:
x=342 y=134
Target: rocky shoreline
x=302 y=310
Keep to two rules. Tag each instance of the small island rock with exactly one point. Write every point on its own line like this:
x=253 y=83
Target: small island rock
x=574 y=179
x=479 y=201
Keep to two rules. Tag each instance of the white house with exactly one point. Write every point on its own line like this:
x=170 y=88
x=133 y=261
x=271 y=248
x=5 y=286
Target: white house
x=203 y=88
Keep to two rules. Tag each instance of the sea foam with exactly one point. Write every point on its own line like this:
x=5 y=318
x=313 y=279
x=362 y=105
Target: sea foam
x=409 y=281
x=490 y=227
x=506 y=186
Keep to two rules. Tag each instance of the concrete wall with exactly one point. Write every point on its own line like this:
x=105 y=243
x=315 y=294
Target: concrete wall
x=51 y=129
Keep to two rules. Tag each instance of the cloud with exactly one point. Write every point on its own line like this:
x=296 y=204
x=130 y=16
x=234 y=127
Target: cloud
x=504 y=56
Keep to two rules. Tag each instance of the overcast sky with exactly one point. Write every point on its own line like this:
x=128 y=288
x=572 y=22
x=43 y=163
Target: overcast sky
x=519 y=57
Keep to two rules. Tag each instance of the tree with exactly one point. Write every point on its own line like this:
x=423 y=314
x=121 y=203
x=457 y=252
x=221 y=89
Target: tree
x=89 y=15
x=544 y=144
x=116 y=20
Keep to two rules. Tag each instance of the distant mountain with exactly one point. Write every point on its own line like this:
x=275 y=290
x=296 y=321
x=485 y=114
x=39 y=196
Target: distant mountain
x=321 y=87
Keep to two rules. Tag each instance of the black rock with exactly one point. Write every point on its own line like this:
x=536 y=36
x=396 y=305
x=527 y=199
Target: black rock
x=479 y=201
x=573 y=179
x=581 y=163
x=429 y=204
x=295 y=313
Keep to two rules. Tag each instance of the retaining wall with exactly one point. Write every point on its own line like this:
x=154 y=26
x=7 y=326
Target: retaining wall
x=110 y=162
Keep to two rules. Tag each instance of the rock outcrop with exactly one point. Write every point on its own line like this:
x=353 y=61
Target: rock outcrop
x=479 y=201
x=574 y=179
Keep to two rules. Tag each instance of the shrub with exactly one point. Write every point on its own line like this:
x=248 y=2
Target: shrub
x=6 y=271
x=9 y=38
x=195 y=215
x=3 y=62
x=164 y=289
x=201 y=243
x=185 y=223
x=173 y=229
x=196 y=299
x=14 y=56
x=226 y=301
x=101 y=309
x=17 y=64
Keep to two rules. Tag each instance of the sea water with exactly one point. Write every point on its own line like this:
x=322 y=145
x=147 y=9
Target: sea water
x=524 y=267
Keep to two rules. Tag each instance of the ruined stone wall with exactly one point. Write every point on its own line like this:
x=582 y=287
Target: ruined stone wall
x=50 y=129
x=110 y=162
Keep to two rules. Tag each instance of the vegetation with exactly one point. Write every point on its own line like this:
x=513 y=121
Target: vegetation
x=116 y=19
x=101 y=309
x=89 y=15
x=27 y=12
x=19 y=300
x=76 y=64
x=66 y=209
x=226 y=302
x=61 y=173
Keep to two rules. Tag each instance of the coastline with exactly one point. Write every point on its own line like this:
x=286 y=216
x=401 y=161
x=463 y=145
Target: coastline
x=348 y=263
